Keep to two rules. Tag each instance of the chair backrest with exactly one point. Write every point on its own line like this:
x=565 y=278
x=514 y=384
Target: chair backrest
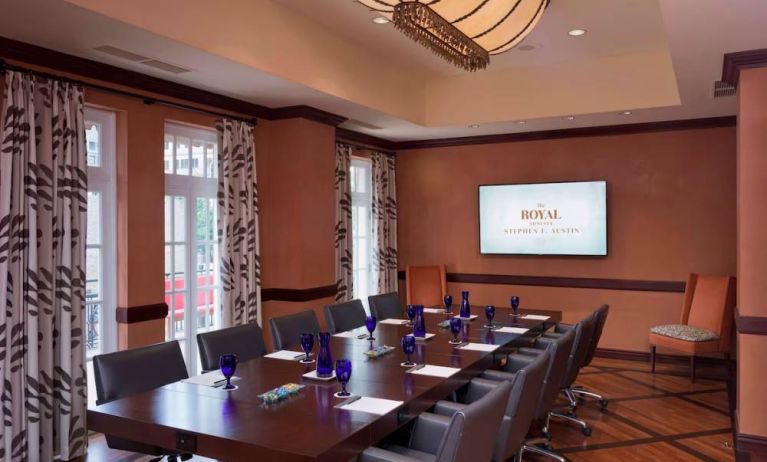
x=385 y=306
x=584 y=333
x=520 y=411
x=559 y=350
x=709 y=304
x=426 y=285
x=345 y=316
x=286 y=330
x=137 y=370
x=246 y=341
x=472 y=431
x=601 y=312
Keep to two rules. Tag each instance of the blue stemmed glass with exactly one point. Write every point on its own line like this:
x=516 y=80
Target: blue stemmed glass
x=370 y=324
x=344 y=373
x=515 y=305
x=448 y=304
x=410 y=314
x=408 y=347
x=228 y=364
x=455 y=328
x=307 y=344
x=489 y=314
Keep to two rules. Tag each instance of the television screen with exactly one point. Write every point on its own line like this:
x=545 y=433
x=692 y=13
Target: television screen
x=543 y=218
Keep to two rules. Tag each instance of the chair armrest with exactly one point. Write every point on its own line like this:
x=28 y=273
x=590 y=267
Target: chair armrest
x=448 y=408
x=562 y=328
x=479 y=387
x=374 y=454
x=428 y=432
x=516 y=362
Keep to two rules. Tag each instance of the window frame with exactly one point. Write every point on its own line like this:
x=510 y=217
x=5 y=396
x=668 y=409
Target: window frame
x=363 y=199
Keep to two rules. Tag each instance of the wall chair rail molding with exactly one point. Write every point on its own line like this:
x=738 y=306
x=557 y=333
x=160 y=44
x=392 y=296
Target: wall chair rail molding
x=298 y=295
x=134 y=314
x=750 y=445
x=569 y=282
x=751 y=325
x=734 y=62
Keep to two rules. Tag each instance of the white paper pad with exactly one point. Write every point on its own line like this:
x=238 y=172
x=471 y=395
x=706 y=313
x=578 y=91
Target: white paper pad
x=433 y=310
x=211 y=379
x=427 y=337
x=394 y=321
x=479 y=347
x=287 y=355
x=348 y=334
x=313 y=376
x=536 y=317
x=470 y=318
x=511 y=330
x=372 y=405
x=435 y=371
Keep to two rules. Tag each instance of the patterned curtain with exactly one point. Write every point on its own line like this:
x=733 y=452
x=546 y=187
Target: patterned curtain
x=43 y=188
x=238 y=223
x=344 y=275
x=384 y=213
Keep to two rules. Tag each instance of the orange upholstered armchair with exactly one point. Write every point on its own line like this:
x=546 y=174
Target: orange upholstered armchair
x=426 y=285
x=706 y=322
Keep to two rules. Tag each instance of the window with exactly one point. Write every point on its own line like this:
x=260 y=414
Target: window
x=192 y=282
x=100 y=259
x=362 y=237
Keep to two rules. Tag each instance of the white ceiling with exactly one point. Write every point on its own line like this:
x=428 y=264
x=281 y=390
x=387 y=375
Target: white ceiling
x=697 y=33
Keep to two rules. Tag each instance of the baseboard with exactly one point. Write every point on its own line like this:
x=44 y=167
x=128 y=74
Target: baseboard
x=629 y=355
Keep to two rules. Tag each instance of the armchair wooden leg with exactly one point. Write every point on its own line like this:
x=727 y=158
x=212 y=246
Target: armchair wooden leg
x=652 y=358
x=692 y=368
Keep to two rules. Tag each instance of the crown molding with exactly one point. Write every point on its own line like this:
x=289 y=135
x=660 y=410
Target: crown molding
x=735 y=62
x=364 y=140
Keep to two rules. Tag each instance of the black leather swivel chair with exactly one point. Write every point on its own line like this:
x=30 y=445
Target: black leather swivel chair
x=385 y=306
x=602 y=312
x=246 y=341
x=287 y=330
x=134 y=371
x=345 y=316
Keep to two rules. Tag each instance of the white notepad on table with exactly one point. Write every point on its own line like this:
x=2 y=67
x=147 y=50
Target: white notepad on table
x=397 y=322
x=511 y=330
x=479 y=347
x=377 y=406
x=433 y=310
x=211 y=379
x=536 y=317
x=470 y=318
x=435 y=371
x=287 y=355
x=347 y=334
x=428 y=336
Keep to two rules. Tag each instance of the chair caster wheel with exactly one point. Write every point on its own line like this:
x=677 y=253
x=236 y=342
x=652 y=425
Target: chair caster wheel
x=586 y=431
x=603 y=404
x=547 y=435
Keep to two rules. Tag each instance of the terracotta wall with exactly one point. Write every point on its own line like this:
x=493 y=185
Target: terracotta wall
x=752 y=251
x=671 y=210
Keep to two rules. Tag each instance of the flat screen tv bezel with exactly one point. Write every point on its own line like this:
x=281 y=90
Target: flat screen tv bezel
x=583 y=255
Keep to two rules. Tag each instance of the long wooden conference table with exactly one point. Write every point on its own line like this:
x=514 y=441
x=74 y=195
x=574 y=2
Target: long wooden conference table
x=237 y=426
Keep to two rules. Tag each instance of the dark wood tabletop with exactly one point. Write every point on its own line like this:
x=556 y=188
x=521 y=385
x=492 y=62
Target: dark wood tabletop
x=237 y=426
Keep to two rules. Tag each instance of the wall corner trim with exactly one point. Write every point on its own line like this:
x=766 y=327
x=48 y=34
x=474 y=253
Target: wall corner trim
x=734 y=62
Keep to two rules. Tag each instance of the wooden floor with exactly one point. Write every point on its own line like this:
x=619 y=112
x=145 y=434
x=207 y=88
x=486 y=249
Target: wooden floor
x=649 y=418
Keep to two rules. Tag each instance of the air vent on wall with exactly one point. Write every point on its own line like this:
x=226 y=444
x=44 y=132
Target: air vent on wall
x=137 y=58
x=722 y=89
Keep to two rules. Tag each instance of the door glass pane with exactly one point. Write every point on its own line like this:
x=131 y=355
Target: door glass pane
x=179 y=218
x=92 y=329
x=93 y=143
x=182 y=155
x=168 y=157
x=93 y=274
x=179 y=267
x=211 y=159
x=198 y=158
x=202 y=222
x=93 y=233
x=212 y=220
x=167 y=219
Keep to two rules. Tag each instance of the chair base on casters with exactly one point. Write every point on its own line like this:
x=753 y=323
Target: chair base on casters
x=582 y=394
x=585 y=429
x=531 y=446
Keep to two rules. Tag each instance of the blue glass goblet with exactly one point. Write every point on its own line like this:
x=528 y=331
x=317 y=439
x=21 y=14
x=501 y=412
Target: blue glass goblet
x=408 y=347
x=448 y=304
x=455 y=328
x=370 y=324
x=515 y=305
x=307 y=344
x=344 y=373
x=410 y=314
x=228 y=364
x=489 y=314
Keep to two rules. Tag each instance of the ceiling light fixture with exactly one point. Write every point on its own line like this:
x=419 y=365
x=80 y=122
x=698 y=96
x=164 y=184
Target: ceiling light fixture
x=625 y=113
x=521 y=122
x=463 y=32
x=570 y=118
x=381 y=20
x=577 y=32
x=474 y=126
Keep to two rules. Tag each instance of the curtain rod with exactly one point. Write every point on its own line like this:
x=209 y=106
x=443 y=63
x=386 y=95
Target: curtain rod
x=148 y=100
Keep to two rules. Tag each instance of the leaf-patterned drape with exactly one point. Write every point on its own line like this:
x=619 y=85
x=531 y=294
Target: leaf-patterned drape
x=344 y=275
x=384 y=213
x=43 y=187
x=238 y=223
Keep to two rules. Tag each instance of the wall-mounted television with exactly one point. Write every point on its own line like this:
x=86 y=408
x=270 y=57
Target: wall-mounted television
x=568 y=218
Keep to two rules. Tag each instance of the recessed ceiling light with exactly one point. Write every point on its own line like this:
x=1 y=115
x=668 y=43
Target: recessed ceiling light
x=474 y=126
x=380 y=20
x=522 y=122
x=577 y=32
x=625 y=113
x=570 y=118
